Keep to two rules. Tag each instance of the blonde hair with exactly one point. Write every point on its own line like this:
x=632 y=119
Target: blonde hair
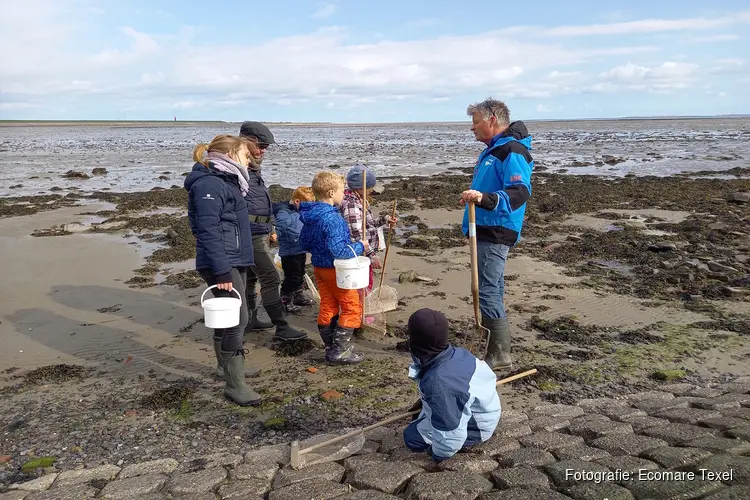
x=222 y=143
x=326 y=181
x=303 y=193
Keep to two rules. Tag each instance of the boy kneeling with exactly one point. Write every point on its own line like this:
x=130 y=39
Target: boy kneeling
x=458 y=395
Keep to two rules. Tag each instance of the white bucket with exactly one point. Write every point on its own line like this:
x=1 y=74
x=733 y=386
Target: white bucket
x=221 y=312
x=352 y=274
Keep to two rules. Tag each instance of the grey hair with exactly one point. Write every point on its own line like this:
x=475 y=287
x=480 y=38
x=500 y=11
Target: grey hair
x=491 y=107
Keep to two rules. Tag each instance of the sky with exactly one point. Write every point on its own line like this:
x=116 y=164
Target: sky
x=365 y=61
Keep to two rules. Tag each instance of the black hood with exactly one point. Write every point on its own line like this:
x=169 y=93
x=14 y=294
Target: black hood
x=516 y=130
x=428 y=334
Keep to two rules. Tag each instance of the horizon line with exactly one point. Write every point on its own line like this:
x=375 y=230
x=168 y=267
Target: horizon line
x=302 y=123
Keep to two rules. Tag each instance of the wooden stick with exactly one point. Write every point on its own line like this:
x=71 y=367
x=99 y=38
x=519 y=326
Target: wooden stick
x=296 y=452
x=387 y=248
x=364 y=237
x=474 y=263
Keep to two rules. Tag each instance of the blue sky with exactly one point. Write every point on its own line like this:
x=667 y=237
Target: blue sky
x=371 y=61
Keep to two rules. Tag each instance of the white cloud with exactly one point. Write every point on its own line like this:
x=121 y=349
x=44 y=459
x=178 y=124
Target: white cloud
x=51 y=56
x=651 y=26
x=717 y=38
x=325 y=11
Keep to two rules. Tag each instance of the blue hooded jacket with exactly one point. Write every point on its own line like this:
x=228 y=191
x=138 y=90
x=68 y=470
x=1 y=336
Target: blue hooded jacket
x=288 y=228
x=460 y=404
x=325 y=234
x=218 y=218
x=503 y=175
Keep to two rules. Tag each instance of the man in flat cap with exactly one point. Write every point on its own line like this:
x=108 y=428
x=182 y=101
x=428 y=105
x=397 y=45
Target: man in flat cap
x=261 y=225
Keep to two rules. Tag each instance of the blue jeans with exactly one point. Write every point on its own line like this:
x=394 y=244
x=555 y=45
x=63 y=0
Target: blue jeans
x=491 y=259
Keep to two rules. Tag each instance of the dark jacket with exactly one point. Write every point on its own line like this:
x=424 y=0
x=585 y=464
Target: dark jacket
x=325 y=234
x=259 y=204
x=218 y=218
x=288 y=227
x=503 y=175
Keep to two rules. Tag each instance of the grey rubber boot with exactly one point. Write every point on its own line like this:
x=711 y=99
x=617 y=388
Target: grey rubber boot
x=235 y=388
x=249 y=372
x=498 y=348
x=326 y=335
x=301 y=298
x=283 y=330
x=342 y=351
x=254 y=324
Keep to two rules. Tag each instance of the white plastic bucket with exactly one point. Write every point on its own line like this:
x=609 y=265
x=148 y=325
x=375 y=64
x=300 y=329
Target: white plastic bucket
x=352 y=274
x=221 y=312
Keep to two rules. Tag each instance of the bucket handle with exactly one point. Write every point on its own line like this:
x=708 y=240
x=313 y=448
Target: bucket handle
x=356 y=257
x=214 y=286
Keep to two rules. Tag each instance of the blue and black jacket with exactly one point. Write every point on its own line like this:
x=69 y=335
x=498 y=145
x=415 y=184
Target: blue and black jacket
x=503 y=176
x=460 y=404
x=258 y=204
x=218 y=219
x=326 y=234
x=288 y=227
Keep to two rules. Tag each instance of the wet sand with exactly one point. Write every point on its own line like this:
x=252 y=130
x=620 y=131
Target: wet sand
x=122 y=304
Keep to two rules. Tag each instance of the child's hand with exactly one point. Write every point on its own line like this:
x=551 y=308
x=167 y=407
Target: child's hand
x=366 y=245
x=391 y=221
x=375 y=261
x=273 y=238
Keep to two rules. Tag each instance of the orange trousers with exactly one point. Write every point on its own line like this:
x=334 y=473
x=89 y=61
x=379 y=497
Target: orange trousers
x=337 y=301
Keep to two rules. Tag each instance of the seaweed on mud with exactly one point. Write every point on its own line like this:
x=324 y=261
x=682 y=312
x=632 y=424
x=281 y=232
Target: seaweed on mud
x=185 y=280
x=641 y=335
x=55 y=374
x=149 y=200
x=566 y=329
x=28 y=205
x=180 y=244
x=293 y=348
x=434 y=238
x=280 y=193
x=737 y=323
x=170 y=397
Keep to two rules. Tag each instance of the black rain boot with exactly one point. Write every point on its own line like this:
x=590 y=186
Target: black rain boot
x=300 y=299
x=283 y=330
x=498 y=347
x=289 y=306
x=254 y=324
x=235 y=388
x=249 y=372
x=343 y=350
x=326 y=335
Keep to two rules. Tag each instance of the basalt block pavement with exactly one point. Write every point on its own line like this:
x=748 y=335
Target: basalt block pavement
x=654 y=445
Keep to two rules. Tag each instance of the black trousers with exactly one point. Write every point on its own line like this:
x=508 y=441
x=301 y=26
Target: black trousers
x=231 y=338
x=294 y=273
x=265 y=272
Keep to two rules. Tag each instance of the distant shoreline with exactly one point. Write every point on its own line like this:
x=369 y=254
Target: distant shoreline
x=197 y=123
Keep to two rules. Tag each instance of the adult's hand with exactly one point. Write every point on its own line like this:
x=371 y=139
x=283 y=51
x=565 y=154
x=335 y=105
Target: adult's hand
x=224 y=286
x=471 y=195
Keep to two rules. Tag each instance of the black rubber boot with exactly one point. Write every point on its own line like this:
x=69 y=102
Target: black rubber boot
x=254 y=324
x=249 y=372
x=235 y=388
x=342 y=351
x=300 y=299
x=498 y=347
x=283 y=330
x=326 y=335
x=289 y=306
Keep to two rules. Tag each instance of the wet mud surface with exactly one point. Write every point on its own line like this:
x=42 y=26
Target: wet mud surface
x=693 y=259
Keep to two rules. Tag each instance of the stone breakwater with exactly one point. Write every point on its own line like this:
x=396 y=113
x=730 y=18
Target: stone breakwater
x=684 y=442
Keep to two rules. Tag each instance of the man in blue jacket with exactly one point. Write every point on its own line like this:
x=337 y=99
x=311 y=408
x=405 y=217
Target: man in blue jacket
x=500 y=189
x=458 y=392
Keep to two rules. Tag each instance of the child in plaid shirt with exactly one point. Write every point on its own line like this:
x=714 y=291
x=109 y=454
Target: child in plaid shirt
x=351 y=209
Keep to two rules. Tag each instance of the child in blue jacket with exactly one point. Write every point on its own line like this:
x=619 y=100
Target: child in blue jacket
x=293 y=257
x=458 y=395
x=326 y=236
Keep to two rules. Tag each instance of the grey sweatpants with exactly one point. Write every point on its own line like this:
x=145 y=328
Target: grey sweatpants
x=264 y=271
